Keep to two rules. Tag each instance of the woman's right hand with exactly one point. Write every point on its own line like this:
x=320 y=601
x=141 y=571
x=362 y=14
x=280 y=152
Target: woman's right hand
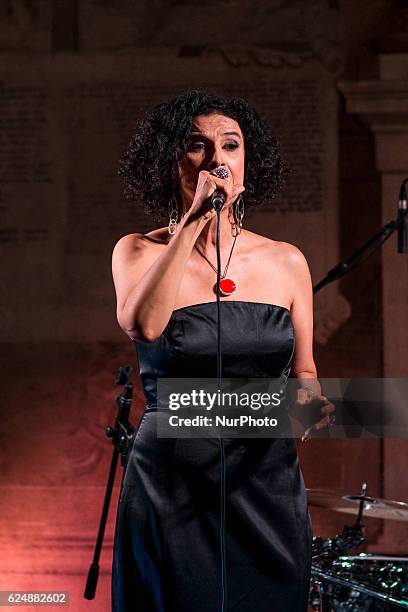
x=207 y=184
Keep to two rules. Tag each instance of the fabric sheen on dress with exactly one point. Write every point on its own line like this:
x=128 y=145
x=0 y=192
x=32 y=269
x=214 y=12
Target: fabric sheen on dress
x=167 y=538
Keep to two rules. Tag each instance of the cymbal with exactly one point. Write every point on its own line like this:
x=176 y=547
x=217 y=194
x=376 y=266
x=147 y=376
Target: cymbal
x=350 y=504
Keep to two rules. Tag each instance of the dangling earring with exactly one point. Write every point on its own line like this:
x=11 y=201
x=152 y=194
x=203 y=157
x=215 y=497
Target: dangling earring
x=239 y=211
x=173 y=216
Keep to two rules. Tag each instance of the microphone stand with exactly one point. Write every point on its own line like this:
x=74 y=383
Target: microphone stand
x=121 y=434
x=218 y=203
x=371 y=245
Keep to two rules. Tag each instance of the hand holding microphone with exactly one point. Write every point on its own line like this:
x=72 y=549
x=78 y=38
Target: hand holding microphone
x=214 y=188
x=218 y=197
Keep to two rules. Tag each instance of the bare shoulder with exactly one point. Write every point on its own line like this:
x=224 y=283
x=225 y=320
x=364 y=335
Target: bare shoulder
x=294 y=265
x=132 y=255
x=292 y=255
x=138 y=243
x=281 y=252
x=128 y=242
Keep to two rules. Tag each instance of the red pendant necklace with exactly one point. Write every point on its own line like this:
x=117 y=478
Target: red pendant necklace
x=227 y=285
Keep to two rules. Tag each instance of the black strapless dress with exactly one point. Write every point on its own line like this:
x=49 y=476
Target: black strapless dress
x=167 y=540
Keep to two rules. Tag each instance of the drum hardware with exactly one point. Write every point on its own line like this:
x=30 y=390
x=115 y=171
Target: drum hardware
x=351 y=536
x=350 y=504
x=362 y=582
x=328 y=581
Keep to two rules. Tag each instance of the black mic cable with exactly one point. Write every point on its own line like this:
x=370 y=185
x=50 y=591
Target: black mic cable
x=218 y=201
x=221 y=439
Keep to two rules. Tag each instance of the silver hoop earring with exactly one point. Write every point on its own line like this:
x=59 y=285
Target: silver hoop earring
x=239 y=211
x=173 y=216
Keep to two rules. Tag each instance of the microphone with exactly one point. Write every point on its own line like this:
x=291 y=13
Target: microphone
x=401 y=222
x=218 y=197
x=217 y=200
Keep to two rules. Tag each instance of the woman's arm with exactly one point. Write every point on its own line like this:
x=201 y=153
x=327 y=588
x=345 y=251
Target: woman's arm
x=303 y=365
x=146 y=291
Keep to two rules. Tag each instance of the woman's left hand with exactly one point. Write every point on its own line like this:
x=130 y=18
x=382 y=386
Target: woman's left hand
x=308 y=399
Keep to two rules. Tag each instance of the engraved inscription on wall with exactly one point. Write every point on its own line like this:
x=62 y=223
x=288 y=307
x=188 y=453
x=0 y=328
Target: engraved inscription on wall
x=66 y=122
x=25 y=163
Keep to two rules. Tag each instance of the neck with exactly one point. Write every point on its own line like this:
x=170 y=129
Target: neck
x=206 y=241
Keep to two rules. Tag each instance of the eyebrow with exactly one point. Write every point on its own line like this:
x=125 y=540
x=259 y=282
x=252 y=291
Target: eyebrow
x=196 y=132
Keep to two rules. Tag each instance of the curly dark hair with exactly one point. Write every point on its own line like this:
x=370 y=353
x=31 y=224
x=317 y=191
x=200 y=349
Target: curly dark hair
x=149 y=164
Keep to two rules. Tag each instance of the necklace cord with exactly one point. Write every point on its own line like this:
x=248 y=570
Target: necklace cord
x=219 y=264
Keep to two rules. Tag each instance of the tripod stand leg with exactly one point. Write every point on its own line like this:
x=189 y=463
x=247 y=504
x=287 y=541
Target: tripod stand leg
x=93 y=573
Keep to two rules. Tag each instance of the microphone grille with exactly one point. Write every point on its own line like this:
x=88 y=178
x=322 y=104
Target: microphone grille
x=220 y=172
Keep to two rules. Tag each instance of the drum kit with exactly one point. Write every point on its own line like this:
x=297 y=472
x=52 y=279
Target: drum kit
x=360 y=582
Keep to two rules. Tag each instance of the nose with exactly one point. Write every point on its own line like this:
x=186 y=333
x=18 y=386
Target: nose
x=216 y=159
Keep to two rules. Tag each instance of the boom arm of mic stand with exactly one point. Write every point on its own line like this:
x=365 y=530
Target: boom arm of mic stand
x=121 y=434
x=345 y=266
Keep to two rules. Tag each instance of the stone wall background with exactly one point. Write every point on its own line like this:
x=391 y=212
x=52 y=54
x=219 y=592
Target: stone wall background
x=74 y=76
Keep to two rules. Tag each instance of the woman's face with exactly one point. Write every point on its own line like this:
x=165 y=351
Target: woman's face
x=215 y=140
